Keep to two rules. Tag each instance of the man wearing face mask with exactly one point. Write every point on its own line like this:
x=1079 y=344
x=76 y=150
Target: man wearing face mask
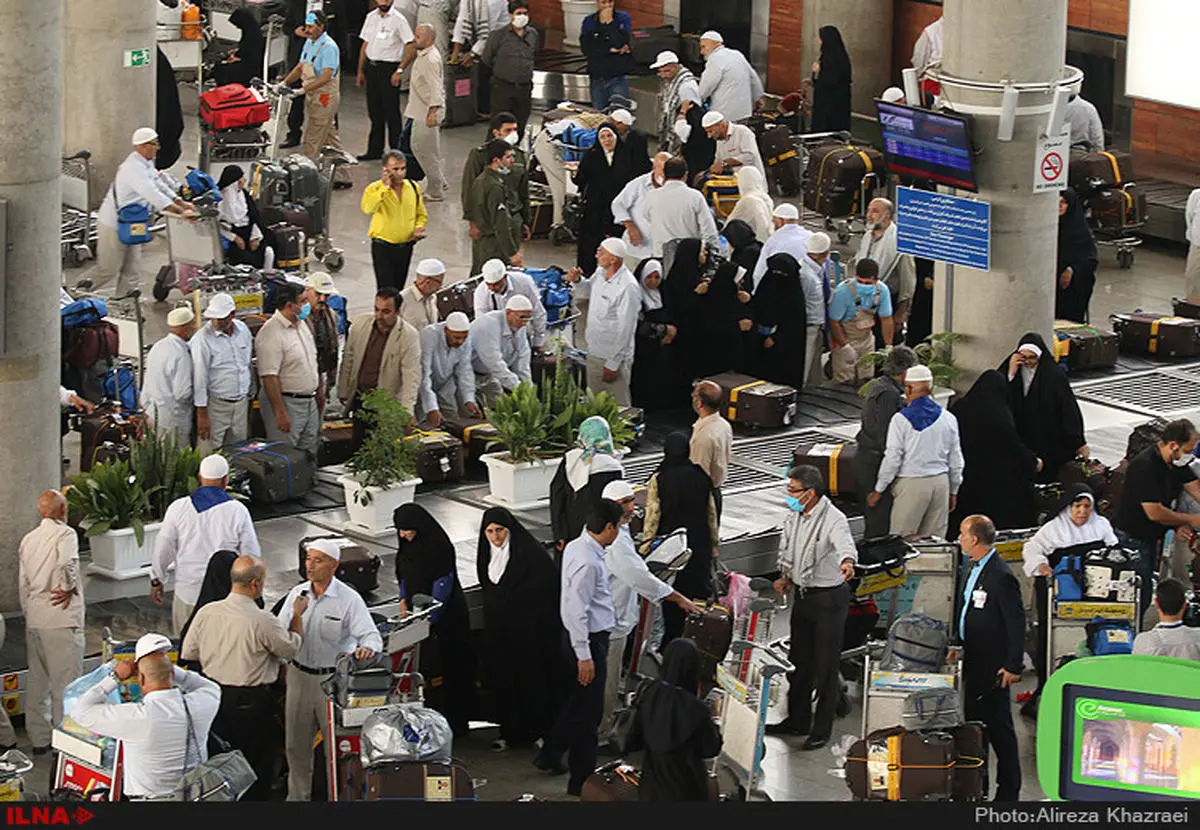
x=629 y=210
x=897 y=271
x=499 y=230
x=291 y=398
x=854 y=309
x=817 y=556
x=729 y=83
x=503 y=127
x=510 y=54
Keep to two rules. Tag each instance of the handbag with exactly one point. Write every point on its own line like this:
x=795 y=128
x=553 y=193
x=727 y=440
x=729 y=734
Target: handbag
x=224 y=777
x=133 y=221
x=623 y=719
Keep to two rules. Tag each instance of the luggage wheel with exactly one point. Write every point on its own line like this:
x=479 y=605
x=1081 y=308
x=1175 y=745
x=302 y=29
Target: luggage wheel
x=334 y=260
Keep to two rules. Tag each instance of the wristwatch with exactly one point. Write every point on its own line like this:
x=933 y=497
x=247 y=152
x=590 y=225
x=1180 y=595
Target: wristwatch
x=116 y=677
x=154 y=583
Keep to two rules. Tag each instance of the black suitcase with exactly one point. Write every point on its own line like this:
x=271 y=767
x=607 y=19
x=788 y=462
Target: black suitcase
x=712 y=632
x=1118 y=208
x=835 y=175
x=458 y=297
x=270 y=185
x=304 y=179
x=460 y=95
x=270 y=471
x=646 y=43
x=289 y=245
x=289 y=213
x=357 y=567
x=439 y=456
x=1186 y=307
x=337 y=443
x=781 y=159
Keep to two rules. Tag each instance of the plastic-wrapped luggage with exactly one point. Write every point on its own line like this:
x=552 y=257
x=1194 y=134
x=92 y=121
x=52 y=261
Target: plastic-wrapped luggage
x=406 y=733
x=835 y=175
x=1157 y=334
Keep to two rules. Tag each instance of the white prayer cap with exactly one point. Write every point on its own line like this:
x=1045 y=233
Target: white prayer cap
x=711 y=117
x=430 y=268
x=214 y=467
x=664 y=59
x=181 y=316
x=327 y=547
x=220 y=306
x=149 y=644
x=457 y=321
x=819 y=243
x=712 y=35
x=893 y=95
x=144 y=135
x=494 y=271
x=518 y=302
x=918 y=374
x=617 y=490
x=786 y=212
x=623 y=116
x=1033 y=349
x=614 y=246
x=321 y=282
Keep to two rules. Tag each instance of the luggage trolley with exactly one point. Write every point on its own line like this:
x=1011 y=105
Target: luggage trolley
x=743 y=706
x=192 y=245
x=323 y=248
x=666 y=559
x=242 y=282
x=79 y=232
x=872 y=182
x=1120 y=236
x=125 y=312
x=1065 y=616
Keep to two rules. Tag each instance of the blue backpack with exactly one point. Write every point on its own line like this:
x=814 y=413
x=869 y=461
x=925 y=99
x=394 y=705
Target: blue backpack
x=198 y=183
x=87 y=312
x=118 y=384
x=576 y=141
x=1068 y=578
x=338 y=304
x=1105 y=637
x=556 y=292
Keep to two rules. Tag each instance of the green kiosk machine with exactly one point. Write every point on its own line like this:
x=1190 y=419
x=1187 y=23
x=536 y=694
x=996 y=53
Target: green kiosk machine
x=1121 y=728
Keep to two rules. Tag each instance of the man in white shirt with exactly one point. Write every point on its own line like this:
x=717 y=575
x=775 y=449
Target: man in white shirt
x=1192 y=268
x=1170 y=638
x=222 y=353
x=135 y=183
x=193 y=529
x=897 y=271
x=1087 y=130
x=447 y=376
x=51 y=596
x=614 y=300
x=629 y=210
x=385 y=34
x=500 y=352
x=676 y=211
x=336 y=622
x=167 y=390
x=426 y=106
x=790 y=237
x=418 y=300
x=729 y=83
x=737 y=145
x=926 y=52
x=499 y=283
x=812 y=267
x=923 y=461
x=161 y=738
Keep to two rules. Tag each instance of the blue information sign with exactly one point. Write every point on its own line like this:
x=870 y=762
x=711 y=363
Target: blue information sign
x=944 y=228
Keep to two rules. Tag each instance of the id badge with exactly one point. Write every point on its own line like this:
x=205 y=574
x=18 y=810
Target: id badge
x=979 y=597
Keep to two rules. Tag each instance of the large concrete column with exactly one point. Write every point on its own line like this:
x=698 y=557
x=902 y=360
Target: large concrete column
x=30 y=137
x=104 y=101
x=866 y=27
x=1020 y=41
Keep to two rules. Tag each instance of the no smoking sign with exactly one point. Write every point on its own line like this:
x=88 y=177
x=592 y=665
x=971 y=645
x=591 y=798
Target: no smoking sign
x=1050 y=171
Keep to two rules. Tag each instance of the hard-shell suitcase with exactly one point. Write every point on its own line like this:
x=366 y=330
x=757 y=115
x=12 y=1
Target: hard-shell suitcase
x=1090 y=171
x=337 y=442
x=232 y=106
x=780 y=158
x=1084 y=347
x=722 y=193
x=289 y=213
x=646 y=43
x=289 y=245
x=1186 y=307
x=458 y=297
x=273 y=471
x=304 y=179
x=836 y=463
x=357 y=566
x=712 y=631
x=1157 y=334
x=415 y=781
x=1118 y=208
x=754 y=402
x=835 y=175
x=615 y=781
x=460 y=95
x=970 y=761
x=897 y=765
x=475 y=434
x=270 y=185
x=439 y=456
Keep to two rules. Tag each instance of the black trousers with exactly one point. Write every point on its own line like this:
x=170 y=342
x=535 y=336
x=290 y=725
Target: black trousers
x=818 y=626
x=391 y=262
x=245 y=719
x=993 y=707
x=296 y=113
x=383 y=107
x=578 y=721
x=483 y=89
x=514 y=98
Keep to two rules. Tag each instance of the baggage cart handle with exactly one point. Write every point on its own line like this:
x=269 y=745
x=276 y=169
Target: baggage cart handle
x=912 y=553
x=781 y=663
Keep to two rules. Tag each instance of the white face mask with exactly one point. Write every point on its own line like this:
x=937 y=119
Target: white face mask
x=512 y=138
x=1183 y=460
x=684 y=130
x=520 y=20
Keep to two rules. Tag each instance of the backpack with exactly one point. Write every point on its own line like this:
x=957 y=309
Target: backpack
x=1144 y=436
x=915 y=643
x=198 y=183
x=338 y=304
x=1068 y=578
x=1105 y=637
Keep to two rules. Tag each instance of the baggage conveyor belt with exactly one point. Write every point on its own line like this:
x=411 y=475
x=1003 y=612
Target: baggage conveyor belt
x=1166 y=204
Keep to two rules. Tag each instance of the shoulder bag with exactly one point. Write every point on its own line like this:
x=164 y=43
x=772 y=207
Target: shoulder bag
x=133 y=220
x=223 y=777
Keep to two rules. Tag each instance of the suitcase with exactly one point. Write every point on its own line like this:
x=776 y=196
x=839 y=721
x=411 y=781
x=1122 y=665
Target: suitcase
x=836 y=463
x=757 y=403
x=1118 y=208
x=542 y=211
x=474 y=433
x=289 y=245
x=1157 y=334
x=270 y=185
x=1090 y=472
x=304 y=179
x=107 y=425
x=835 y=175
x=615 y=781
x=781 y=159
x=1084 y=347
x=289 y=213
x=646 y=43
x=337 y=444
x=460 y=95
x=1188 y=307
x=85 y=346
x=458 y=297
x=689 y=50
x=439 y=456
x=722 y=193
x=897 y=765
x=712 y=631
x=414 y=781
x=357 y=567
x=272 y=471
x=1091 y=171
x=970 y=762
x=232 y=106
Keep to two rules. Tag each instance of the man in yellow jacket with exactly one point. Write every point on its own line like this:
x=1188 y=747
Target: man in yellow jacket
x=397 y=211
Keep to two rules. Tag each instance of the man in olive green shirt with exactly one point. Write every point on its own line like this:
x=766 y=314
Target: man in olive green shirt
x=516 y=183
x=499 y=229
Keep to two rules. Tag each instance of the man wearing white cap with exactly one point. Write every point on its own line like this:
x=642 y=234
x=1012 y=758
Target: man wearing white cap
x=923 y=461
x=222 y=353
x=678 y=85
x=447 y=376
x=629 y=578
x=790 y=237
x=418 y=300
x=729 y=83
x=194 y=528
x=161 y=738
x=167 y=390
x=676 y=211
x=814 y=274
x=897 y=271
x=614 y=300
x=736 y=145
x=135 y=185
x=893 y=95
x=323 y=324
x=382 y=352
x=500 y=350
x=335 y=622
x=498 y=284
x=637 y=147
x=629 y=210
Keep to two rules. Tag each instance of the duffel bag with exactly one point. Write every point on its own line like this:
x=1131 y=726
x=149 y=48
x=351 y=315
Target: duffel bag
x=86 y=346
x=915 y=643
x=85 y=312
x=231 y=106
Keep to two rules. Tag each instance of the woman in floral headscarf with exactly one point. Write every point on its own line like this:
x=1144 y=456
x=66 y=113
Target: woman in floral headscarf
x=581 y=477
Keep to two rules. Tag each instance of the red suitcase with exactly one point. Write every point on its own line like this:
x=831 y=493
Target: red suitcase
x=233 y=105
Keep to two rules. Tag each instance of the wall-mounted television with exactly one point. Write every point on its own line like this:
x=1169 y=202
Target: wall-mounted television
x=928 y=145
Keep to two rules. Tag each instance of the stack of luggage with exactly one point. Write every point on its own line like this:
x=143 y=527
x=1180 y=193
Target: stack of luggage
x=835 y=177
x=233 y=117
x=1105 y=181
x=291 y=197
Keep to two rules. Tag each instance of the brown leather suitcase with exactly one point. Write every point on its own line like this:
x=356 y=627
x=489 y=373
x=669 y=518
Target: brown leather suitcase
x=615 y=781
x=107 y=424
x=970 y=762
x=1089 y=171
x=358 y=567
x=1157 y=334
x=458 y=297
x=898 y=765
x=289 y=245
x=835 y=175
x=712 y=631
x=836 y=463
x=439 y=456
x=1084 y=346
x=414 y=781
x=780 y=159
x=1118 y=208
x=337 y=442
x=1186 y=307
x=754 y=402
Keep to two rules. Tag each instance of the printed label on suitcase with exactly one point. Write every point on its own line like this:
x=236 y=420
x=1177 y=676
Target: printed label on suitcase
x=462 y=88
x=439 y=788
x=1091 y=610
x=907 y=681
x=877 y=766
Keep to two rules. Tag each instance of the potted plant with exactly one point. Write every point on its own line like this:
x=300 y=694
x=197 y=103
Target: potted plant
x=936 y=352
x=519 y=475
x=382 y=474
x=116 y=512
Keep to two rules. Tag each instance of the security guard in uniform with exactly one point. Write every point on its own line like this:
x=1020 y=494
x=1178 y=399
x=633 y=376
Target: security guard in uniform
x=499 y=227
x=516 y=183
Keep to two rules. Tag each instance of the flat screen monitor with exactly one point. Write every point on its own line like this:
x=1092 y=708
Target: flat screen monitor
x=929 y=145
x=1128 y=746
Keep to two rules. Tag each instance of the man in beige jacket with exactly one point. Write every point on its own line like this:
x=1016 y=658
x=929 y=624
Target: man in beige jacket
x=382 y=352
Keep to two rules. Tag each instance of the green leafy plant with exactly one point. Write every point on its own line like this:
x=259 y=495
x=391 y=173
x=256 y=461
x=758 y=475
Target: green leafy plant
x=935 y=351
x=110 y=497
x=385 y=458
x=166 y=467
x=570 y=405
x=522 y=424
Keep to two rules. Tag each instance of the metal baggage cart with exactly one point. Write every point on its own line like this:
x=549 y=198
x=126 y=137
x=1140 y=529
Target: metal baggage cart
x=79 y=231
x=884 y=691
x=1066 y=621
x=743 y=707
x=843 y=226
x=125 y=312
x=241 y=282
x=216 y=155
x=1122 y=238
x=193 y=244
x=323 y=248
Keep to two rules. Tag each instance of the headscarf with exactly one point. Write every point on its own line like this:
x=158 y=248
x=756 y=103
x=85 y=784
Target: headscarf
x=651 y=297
x=1076 y=244
x=779 y=300
x=252 y=45
x=835 y=61
x=1060 y=532
x=599 y=148
x=593 y=439
x=230 y=175
x=218 y=582
x=755 y=206
x=745 y=244
x=669 y=710
x=521 y=552
x=680 y=481
x=428 y=557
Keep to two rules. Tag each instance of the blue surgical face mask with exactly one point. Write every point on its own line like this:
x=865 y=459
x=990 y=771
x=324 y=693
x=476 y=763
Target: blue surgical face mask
x=305 y=310
x=794 y=504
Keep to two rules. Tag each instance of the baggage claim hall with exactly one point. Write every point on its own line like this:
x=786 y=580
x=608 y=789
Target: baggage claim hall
x=615 y=400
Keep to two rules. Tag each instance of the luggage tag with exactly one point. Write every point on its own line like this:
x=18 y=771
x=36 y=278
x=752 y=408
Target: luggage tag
x=979 y=597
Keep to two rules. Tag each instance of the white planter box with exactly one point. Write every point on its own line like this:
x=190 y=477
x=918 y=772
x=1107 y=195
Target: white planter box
x=942 y=396
x=519 y=485
x=375 y=519
x=116 y=554
x=574 y=11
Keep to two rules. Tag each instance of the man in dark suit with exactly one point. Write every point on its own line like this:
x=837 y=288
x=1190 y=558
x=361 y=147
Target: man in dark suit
x=991 y=624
